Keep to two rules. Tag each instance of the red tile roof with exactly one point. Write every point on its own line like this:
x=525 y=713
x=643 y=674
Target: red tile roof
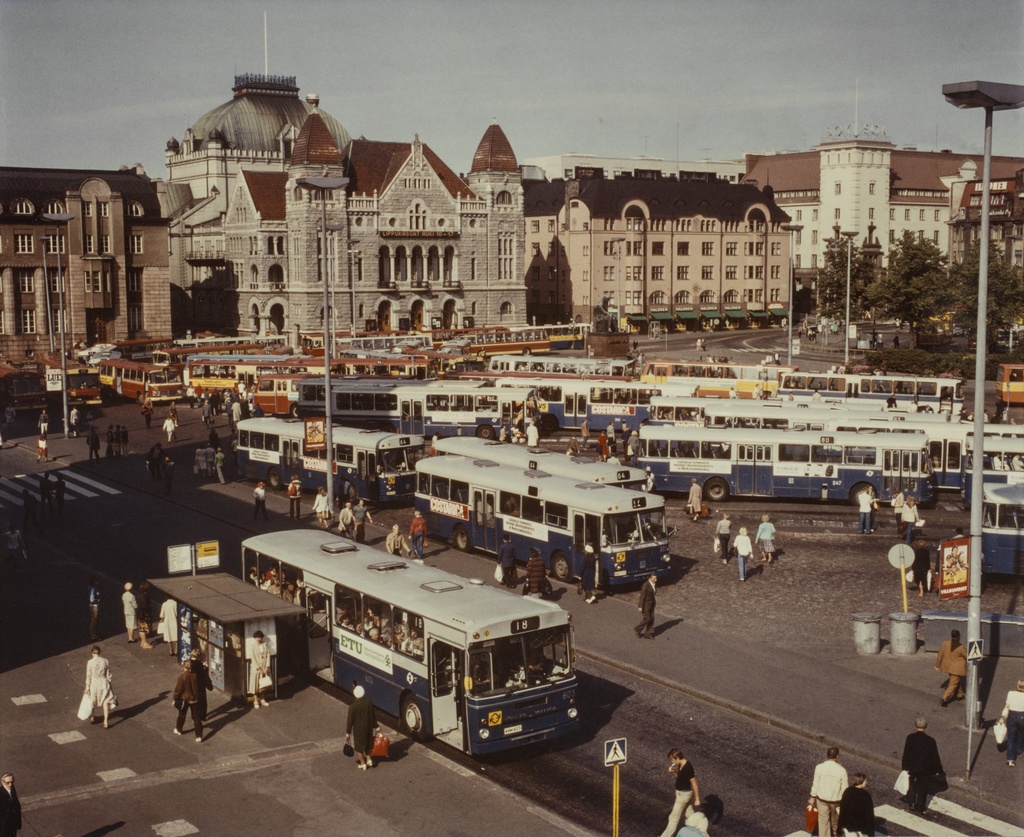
x=371 y=166
x=494 y=153
x=315 y=143
x=268 y=190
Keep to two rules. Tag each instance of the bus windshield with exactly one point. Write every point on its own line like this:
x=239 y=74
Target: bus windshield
x=167 y=376
x=399 y=460
x=520 y=661
x=634 y=527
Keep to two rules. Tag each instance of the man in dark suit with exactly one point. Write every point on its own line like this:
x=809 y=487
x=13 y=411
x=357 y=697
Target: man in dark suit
x=10 y=807
x=645 y=630
x=921 y=761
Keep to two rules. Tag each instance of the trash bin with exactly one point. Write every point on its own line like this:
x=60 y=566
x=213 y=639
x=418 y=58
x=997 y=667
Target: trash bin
x=867 y=633
x=903 y=633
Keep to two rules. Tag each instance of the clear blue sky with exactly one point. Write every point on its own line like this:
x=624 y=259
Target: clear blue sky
x=105 y=83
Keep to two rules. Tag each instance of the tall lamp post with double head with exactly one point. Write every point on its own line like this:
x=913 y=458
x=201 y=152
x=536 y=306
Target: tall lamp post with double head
x=991 y=96
x=58 y=219
x=323 y=185
x=791 y=229
x=849 y=236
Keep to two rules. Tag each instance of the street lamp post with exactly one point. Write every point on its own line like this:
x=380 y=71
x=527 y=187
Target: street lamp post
x=323 y=185
x=791 y=228
x=849 y=236
x=58 y=219
x=618 y=282
x=352 y=254
x=991 y=96
x=46 y=279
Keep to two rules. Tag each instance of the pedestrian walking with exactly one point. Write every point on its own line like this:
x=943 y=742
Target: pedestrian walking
x=921 y=569
x=648 y=600
x=507 y=561
x=42 y=450
x=147 y=412
x=322 y=509
x=532 y=434
x=911 y=519
x=602 y=447
x=155 y=461
x=722 y=533
x=129 y=606
x=418 y=535
x=864 y=511
x=922 y=763
x=73 y=420
x=186 y=700
x=111 y=441
x=856 y=808
x=695 y=499
x=827 y=787
x=43 y=422
x=46 y=492
x=394 y=543
x=572 y=448
x=360 y=517
x=294 y=497
x=169 y=428
x=585 y=434
x=14 y=546
x=1013 y=716
x=218 y=465
x=952 y=661
x=259 y=496
x=60 y=491
x=94 y=609
x=168 y=473
x=687 y=791
x=168 y=625
x=122 y=440
x=347 y=521
x=94 y=444
x=10 y=807
x=744 y=552
x=97 y=686
x=203 y=682
x=765 y=538
x=588 y=574
x=199 y=462
x=259 y=672
x=143 y=614
x=207 y=412
x=360 y=727
x=190 y=396
x=609 y=435
x=536 y=575
x=896 y=504
x=29 y=504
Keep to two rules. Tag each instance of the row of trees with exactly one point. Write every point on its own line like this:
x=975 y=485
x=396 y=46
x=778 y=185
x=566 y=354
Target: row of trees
x=919 y=287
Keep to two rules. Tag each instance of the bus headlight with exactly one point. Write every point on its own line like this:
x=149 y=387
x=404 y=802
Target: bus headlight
x=485 y=733
x=573 y=712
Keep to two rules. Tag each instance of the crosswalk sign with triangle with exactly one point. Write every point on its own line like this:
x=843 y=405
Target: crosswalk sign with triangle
x=975 y=650
x=614 y=752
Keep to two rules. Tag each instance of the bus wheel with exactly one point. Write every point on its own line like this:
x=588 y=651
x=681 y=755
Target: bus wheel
x=460 y=539
x=412 y=718
x=548 y=423
x=716 y=490
x=273 y=478
x=485 y=431
x=560 y=566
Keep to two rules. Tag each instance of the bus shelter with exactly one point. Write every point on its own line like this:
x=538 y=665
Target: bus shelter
x=218 y=614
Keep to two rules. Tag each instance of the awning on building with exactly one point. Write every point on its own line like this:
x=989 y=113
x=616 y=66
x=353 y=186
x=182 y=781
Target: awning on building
x=661 y=315
x=711 y=315
x=686 y=315
x=636 y=319
x=735 y=315
x=777 y=310
x=758 y=314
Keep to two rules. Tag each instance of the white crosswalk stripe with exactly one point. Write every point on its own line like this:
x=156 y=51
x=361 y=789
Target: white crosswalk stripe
x=909 y=820
x=958 y=812
x=892 y=820
x=78 y=487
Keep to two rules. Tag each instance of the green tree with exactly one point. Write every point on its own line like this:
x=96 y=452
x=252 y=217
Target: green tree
x=831 y=283
x=915 y=286
x=1005 y=291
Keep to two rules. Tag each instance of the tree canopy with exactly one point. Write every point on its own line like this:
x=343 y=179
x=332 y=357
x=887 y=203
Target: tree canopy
x=831 y=283
x=915 y=287
x=1005 y=290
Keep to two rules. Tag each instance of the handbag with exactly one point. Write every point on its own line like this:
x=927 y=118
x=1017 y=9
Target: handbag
x=179 y=703
x=717 y=546
x=264 y=682
x=381 y=746
x=811 y=818
x=999 y=731
x=902 y=786
x=348 y=750
x=85 y=708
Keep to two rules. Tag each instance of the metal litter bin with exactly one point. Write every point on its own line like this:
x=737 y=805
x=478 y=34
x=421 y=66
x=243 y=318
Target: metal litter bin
x=867 y=632
x=903 y=633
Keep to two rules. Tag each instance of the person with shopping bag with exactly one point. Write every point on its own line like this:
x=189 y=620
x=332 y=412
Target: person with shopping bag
x=97 y=689
x=361 y=728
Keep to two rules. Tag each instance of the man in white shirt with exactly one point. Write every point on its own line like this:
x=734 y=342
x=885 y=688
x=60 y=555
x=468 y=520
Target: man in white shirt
x=827 y=788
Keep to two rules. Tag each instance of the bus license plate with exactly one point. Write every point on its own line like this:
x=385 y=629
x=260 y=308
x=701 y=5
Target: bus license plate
x=512 y=730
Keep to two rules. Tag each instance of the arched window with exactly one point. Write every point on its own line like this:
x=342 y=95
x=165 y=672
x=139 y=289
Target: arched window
x=682 y=298
x=506 y=309
x=707 y=296
x=503 y=198
x=254 y=277
x=135 y=208
x=55 y=208
x=22 y=207
x=731 y=296
x=657 y=298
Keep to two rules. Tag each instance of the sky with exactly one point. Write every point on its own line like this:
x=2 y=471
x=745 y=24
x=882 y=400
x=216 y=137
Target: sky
x=104 y=83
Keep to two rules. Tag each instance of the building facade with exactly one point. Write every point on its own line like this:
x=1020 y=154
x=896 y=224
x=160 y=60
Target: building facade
x=576 y=166
x=1006 y=218
x=687 y=254
x=113 y=255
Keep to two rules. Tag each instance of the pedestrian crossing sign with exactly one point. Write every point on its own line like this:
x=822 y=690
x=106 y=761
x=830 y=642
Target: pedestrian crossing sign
x=614 y=752
x=975 y=650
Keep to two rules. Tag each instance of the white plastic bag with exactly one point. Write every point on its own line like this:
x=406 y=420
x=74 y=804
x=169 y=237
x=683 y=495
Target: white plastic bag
x=85 y=708
x=497 y=573
x=718 y=546
x=902 y=786
x=999 y=731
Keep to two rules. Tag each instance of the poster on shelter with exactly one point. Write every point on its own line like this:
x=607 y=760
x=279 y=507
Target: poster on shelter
x=954 y=567
x=316 y=434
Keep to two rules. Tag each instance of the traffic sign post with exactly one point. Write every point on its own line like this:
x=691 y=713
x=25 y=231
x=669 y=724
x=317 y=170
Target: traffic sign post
x=614 y=755
x=901 y=556
x=186 y=557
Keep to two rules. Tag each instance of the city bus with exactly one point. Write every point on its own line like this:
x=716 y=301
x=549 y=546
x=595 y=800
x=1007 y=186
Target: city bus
x=1002 y=459
x=214 y=343
x=473 y=503
x=579 y=468
x=135 y=380
x=738 y=462
x=368 y=464
x=493 y=340
x=83 y=381
x=180 y=355
x=1002 y=530
x=477 y=667
x=717 y=380
x=558 y=366
x=568 y=336
x=935 y=394
x=23 y=389
x=422 y=408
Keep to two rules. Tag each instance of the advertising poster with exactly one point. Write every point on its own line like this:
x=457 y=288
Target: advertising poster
x=316 y=434
x=954 y=567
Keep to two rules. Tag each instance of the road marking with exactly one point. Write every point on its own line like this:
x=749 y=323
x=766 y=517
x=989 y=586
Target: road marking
x=25 y=700
x=174 y=828
x=915 y=823
x=77 y=477
x=958 y=812
x=117 y=775
x=69 y=737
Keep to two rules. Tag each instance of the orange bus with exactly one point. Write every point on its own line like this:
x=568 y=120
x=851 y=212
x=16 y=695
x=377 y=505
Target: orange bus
x=22 y=388
x=135 y=380
x=1010 y=383
x=83 y=381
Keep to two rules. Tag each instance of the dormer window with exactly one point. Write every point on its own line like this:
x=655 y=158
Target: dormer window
x=55 y=208
x=22 y=207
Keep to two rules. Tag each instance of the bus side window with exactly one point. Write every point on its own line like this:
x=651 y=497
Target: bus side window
x=460 y=492
x=377 y=621
x=533 y=509
x=510 y=504
x=346 y=608
x=423 y=486
x=439 y=488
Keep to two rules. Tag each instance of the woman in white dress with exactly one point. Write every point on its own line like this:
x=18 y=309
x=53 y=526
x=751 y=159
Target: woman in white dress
x=97 y=685
x=169 y=625
x=260 y=668
x=130 y=611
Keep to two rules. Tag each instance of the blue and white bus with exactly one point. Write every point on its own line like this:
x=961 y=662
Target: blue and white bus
x=1002 y=530
x=473 y=503
x=422 y=408
x=936 y=394
x=558 y=366
x=369 y=464
x=737 y=462
x=477 y=667
x=579 y=468
x=1002 y=461
x=568 y=336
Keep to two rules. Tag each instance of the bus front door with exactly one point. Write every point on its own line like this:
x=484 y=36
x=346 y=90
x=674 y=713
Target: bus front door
x=291 y=454
x=367 y=465
x=586 y=528
x=484 y=522
x=411 y=420
x=318 y=631
x=445 y=679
